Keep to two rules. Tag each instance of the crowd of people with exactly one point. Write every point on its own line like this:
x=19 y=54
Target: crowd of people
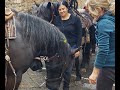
x=101 y=32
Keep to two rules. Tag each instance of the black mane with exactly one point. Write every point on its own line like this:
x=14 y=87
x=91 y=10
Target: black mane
x=43 y=36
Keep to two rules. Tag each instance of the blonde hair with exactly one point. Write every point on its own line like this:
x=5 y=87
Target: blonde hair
x=107 y=5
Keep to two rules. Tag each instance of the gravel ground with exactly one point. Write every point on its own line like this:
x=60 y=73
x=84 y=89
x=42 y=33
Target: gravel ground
x=35 y=80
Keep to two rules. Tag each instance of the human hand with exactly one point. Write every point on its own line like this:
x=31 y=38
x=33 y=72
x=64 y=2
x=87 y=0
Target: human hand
x=77 y=54
x=93 y=77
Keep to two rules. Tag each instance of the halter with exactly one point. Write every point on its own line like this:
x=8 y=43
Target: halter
x=53 y=12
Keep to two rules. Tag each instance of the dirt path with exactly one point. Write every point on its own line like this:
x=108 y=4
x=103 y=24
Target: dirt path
x=36 y=80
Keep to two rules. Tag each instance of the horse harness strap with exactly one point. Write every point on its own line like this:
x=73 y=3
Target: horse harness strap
x=7 y=58
x=45 y=58
x=84 y=18
x=8 y=16
x=53 y=12
x=52 y=18
x=87 y=36
x=50 y=59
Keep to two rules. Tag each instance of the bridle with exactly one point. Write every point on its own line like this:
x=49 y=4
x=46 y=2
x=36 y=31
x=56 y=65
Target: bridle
x=52 y=12
x=7 y=53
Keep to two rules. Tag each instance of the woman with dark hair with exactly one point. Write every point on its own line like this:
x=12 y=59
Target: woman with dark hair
x=71 y=27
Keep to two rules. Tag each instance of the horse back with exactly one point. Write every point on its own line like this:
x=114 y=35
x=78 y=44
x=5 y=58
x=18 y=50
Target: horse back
x=85 y=18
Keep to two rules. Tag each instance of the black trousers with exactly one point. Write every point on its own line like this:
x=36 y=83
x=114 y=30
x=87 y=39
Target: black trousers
x=54 y=70
x=106 y=79
x=77 y=66
x=85 y=55
x=92 y=38
x=68 y=72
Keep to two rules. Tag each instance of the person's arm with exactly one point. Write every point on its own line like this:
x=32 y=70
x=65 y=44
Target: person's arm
x=103 y=45
x=93 y=77
x=78 y=26
x=79 y=31
x=103 y=35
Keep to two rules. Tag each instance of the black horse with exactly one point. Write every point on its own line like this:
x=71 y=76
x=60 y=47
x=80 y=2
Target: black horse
x=45 y=10
x=48 y=10
x=34 y=37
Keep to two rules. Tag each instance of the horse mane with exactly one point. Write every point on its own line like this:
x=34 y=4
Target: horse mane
x=41 y=35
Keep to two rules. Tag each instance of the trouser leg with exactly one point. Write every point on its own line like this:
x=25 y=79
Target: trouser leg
x=85 y=55
x=54 y=71
x=77 y=65
x=67 y=76
x=106 y=79
x=92 y=38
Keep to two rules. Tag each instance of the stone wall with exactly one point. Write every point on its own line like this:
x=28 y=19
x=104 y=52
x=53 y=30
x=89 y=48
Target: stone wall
x=25 y=5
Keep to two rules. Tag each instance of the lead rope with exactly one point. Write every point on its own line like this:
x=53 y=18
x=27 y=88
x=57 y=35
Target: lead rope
x=7 y=57
x=52 y=18
x=6 y=63
x=6 y=52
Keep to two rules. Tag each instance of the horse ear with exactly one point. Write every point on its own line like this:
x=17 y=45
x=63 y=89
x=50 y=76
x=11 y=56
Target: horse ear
x=15 y=11
x=49 y=5
x=36 y=4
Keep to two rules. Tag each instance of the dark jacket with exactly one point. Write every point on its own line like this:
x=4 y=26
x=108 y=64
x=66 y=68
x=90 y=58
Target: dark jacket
x=71 y=28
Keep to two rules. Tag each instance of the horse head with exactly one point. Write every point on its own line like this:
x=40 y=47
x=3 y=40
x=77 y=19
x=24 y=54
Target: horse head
x=45 y=10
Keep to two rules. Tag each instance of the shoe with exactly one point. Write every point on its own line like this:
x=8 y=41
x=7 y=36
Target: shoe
x=78 y=78
x=83 y=70
x=93 y=53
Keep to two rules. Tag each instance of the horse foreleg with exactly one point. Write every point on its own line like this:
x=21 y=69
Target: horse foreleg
x=12 y=82
x=18 y=80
